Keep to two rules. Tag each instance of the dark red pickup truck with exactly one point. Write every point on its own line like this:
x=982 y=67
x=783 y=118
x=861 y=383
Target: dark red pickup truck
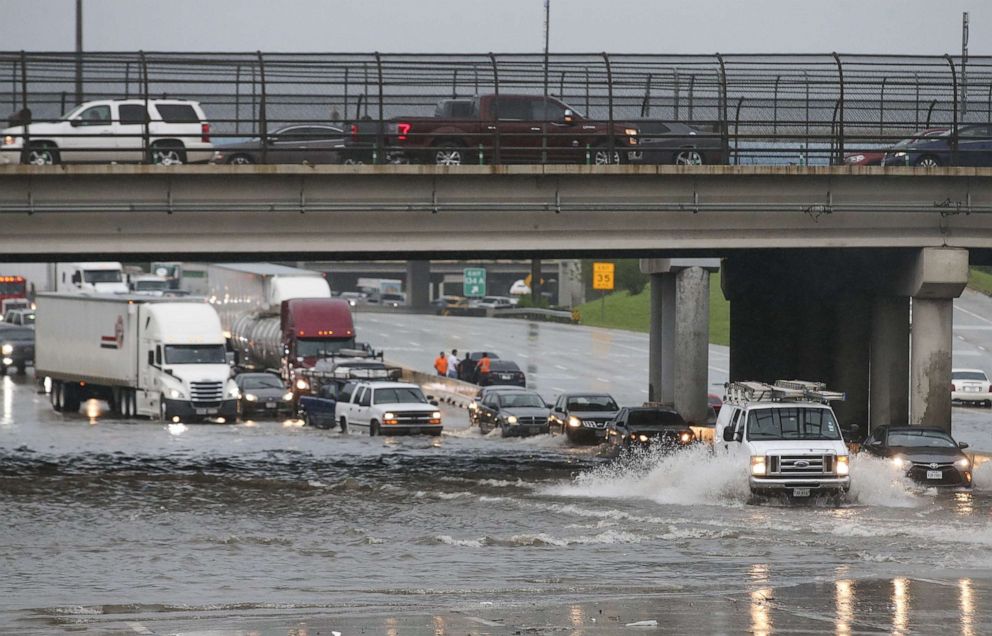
x=508 y=129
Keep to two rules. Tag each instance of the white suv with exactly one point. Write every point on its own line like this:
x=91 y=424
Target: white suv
x=386 y=408
x=114 y=131
x=791 y=435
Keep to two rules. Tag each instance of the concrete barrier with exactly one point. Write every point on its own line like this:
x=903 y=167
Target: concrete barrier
x=536 y=313
x=448 y=390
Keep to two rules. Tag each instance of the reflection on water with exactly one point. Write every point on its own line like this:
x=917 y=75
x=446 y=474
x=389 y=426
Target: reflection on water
x=967 y=605
x=8 y=402
x=176 y=429
x=761 y=620
x=964 y=503
x=92 y=409
x=577 y=617
x=440 y=627
x=844 y=598
x=900 y=605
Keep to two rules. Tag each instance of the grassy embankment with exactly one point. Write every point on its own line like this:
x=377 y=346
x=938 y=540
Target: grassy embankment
x=980 y=281
x=623 y=311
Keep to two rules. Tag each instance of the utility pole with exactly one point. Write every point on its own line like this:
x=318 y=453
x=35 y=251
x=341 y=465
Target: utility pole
x=79 y=52
x=964 y=64
x=535 y=264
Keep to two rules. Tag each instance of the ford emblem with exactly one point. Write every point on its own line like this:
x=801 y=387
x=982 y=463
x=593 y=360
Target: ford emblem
x=802 y=463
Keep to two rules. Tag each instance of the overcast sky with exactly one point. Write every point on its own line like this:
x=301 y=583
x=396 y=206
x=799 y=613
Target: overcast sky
x=636 y=26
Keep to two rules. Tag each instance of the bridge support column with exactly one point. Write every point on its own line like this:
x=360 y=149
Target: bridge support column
x=889 y=361
x=930 y=362
x=851 y=338
x=418 y=285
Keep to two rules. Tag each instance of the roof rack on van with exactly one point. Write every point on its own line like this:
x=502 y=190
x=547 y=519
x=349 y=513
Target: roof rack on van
x=781 y=391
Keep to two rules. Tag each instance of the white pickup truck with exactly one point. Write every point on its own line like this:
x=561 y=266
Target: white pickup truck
x=790 y=434
x=387 y=408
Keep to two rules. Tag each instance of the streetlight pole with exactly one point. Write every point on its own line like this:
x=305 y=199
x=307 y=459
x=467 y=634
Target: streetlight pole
x=535 y=264
x=79 y=52
x=964 y=64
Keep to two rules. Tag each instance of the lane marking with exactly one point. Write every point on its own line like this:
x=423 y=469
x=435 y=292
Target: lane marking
x=712 y=368
x=602 y=380
x=562 y=367
x=973 y=327
x=138 y=628
x=973 y=314
x=482 y=621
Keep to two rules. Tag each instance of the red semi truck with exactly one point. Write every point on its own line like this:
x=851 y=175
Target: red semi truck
x=305 y=331
x=501 y=129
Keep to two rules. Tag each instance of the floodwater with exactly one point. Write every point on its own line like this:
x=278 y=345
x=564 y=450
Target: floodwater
x=137 y=527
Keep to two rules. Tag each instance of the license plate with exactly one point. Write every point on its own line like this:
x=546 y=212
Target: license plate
x=414 y=430
x=505 y=376
x=270 y=405
x=800 y=492
x=206 y=411
x=934 y=474
x=971 y=389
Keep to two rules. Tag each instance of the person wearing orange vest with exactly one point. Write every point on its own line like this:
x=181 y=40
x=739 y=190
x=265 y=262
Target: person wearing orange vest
x=441 y=364
x=484 y=365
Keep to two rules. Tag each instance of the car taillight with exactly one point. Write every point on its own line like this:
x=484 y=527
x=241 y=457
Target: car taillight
x=354 y=132
x=954 y=387
x=205 y=133
x=402 y=130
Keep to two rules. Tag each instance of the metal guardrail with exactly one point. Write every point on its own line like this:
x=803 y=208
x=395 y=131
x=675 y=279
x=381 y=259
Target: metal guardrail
x=779 y=109
x=537 y=313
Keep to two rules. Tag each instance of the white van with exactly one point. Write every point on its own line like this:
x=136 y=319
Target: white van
x=789 y=434
x=93 y=278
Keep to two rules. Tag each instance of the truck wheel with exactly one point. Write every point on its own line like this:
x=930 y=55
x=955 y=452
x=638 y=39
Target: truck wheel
x=70 y=397
x=373 y=428
x=601 y=156
x=167 y=153
x=55 y=396
x=3 y=369
x=22 y=368
x=448 y=154
x=344 y=425
x=163 y=409
x=40 y=154
x=688 y=157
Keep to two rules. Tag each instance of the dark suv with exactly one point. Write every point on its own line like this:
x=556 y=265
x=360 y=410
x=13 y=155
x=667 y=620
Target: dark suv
x=583 y=416
x=16 y=348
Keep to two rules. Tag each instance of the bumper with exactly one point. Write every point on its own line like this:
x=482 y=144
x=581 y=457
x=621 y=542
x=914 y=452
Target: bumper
x=402 y=429
x=227 y=409
x=585 y=434
x=971 y=396
x=950 y=477
x=10 y=156
x=254 y=408
x=786 y=485
x=525 y=430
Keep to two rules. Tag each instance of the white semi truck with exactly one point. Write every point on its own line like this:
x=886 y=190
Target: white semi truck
x=96 y=277
x=155 y=357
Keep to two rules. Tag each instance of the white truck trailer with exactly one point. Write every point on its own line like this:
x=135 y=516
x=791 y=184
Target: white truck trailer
x=156 y=357
x=237 y=289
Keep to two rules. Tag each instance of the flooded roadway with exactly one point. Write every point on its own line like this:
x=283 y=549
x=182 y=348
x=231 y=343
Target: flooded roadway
x=141 y=527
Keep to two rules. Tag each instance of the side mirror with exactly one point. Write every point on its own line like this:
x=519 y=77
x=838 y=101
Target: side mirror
x=76 y=123
x=435 y=403
x=728 y=434
x=962 y=444
x=569 y=117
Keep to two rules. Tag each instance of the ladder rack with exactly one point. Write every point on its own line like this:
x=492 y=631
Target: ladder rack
x=782 y=391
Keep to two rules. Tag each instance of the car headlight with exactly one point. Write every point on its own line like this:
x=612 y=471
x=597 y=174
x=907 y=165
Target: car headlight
x=8 y=140
x=685 y=437
x=963 y=463
x=900 y=155
x=436 y=415
x=843 y=465
x=472 y=406
x=389 y=415
x=287 y=396
x=511 y=419
x=758 y=465
x=251 y=397
x=302 y=384
x=630 y=132
x=574 y=422
x=175 y=394
x=7 y=349
x=643 y=438
x=900 y=462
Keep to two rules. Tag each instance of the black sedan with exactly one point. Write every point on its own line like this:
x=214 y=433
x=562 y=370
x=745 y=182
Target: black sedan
x=503 y=372
x=928 y=455
x=974 y=148
x=263 y=393
x=309 y=143
x=583 y=417
x=677 y=143
x=467 y=365
x=16 y=348
x=480 y=395
x=516 y=413
x=642 y=426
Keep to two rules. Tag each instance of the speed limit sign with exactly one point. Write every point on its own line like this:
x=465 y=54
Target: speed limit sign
x=602 y=276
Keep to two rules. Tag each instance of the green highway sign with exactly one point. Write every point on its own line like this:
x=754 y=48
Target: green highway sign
x=475 y=282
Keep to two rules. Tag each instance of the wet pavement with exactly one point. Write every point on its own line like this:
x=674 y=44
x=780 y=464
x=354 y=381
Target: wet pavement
x=124 y=527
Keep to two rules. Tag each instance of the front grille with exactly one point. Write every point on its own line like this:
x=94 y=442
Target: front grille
x=206 y=391
x=801 y=466
x=948 y=473
x=532 y=421
x=594 y=424
x=414 y=417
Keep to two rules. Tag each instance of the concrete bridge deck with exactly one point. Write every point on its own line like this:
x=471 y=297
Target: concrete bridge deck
x=433 y=211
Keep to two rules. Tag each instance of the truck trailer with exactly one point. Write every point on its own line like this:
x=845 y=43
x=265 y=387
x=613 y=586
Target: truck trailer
x=146 y=356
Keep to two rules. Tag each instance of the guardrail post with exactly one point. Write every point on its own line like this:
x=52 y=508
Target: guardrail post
x=495 y=122
x=380 y=134
x=676 y=93
x=775 y=107
x=24 y=99
x=954 y=110
x=609 y=96
x=237 y=99
x=916 y=76
x=988 y=107
x=646 y=102
x=722 y=110
x=127 y=82
x=840 y=119
x=263 y=110
x=737 y=132
x=881 y=108
x=692 y=86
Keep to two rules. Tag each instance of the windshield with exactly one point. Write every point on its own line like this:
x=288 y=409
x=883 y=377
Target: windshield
x=195 y=354
x=792 y=423
x=400 y=395
x=654 y=419
x=16 y=334
x=151 y=285
x=102 y=276
x=518 y=400
x=969 y=375
x=921 y=439
x=592 y=403
x=262 y=382
x=27 y=319
x=322 y=348
x=75 y=111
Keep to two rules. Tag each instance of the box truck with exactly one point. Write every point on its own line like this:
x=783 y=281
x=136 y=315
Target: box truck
x=155 y=357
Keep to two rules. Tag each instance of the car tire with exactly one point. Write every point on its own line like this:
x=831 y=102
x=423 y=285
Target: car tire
x=3 y=369
x=70 y=397
x=167 y=153
x=40 y=153
x=448 y=154
x=240 y=159
x=22 y=368
x=688 y=157
x=373 y=428
x=306 y=420
x=927 y=161
x=344 y=425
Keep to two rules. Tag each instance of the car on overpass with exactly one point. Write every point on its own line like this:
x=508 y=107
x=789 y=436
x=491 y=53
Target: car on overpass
x=677 y=143
x=517 y=413
x=159 y=131
x=649 y=426
x=973 y=148
x=874 y=156
x=302 y=143
x=927 y=455
x=971 y=386
x=583 y=417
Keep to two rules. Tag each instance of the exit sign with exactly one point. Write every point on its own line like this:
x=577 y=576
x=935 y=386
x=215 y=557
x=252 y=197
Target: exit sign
x=474 y=282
